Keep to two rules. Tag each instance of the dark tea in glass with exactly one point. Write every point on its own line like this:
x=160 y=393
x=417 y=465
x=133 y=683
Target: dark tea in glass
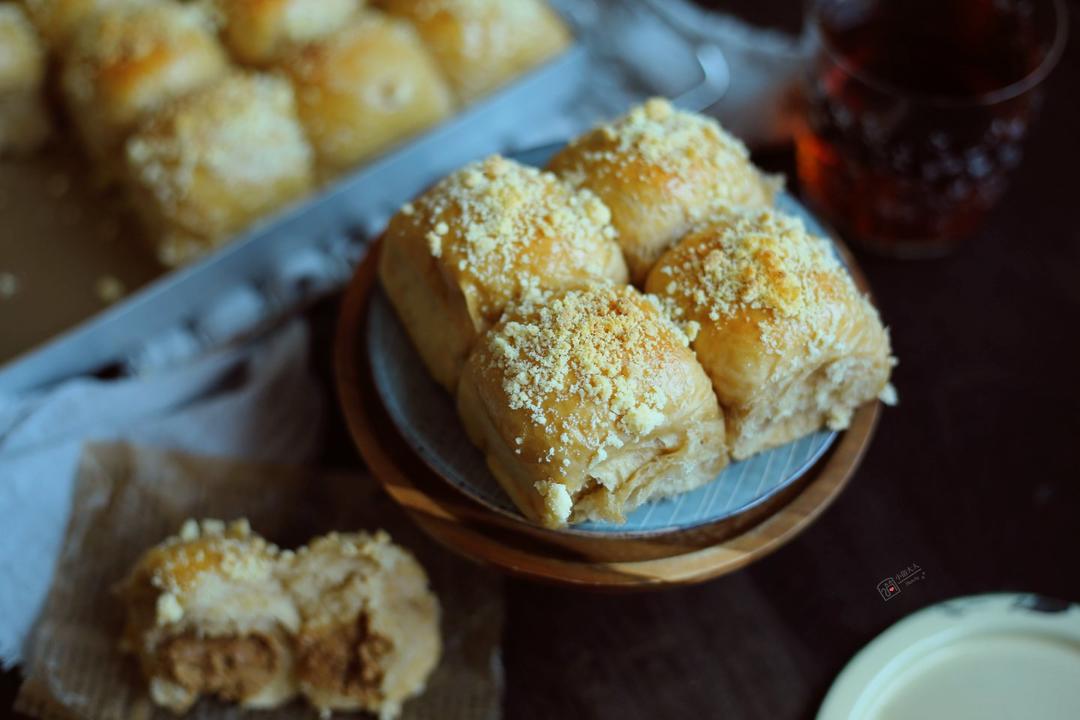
x=917 y=110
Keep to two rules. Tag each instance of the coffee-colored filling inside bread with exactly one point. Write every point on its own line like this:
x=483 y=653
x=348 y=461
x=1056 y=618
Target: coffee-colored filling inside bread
x=232 y=667
x=345 y=661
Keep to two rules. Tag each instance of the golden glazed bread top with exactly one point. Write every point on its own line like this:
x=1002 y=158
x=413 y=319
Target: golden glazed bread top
x=580 y=373
x=501 y=230
x=756 y=275
x=661 y=170
x=59 y=20
x=241 y=130
x=263 y=31
x=22 y=60
x=120 y=46
x=482 y=43
x=367 y=86
x=181 y=565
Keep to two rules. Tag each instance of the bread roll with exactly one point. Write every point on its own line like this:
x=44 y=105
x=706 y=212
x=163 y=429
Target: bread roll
x=369 y=634
x=206 y=615
x=125 y=63
x=209 y=164
x=59 y=20
x=24 y=121
x=661 y=170
x=788 y=341
x=365 y=88
x=482 y=44
x=491 y=233
x=588 y=403
x=262 y=32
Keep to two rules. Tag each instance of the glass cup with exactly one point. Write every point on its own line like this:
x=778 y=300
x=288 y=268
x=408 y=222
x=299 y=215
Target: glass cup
x=916 y=112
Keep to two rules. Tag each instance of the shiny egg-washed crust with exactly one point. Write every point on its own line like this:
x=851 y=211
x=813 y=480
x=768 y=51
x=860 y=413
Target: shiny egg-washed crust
x=491 y=233
x=58 y=20
x=588 y=403
x=369 y=635
x=127 y=62
x=660 y=171
x=263 y=32
x=788 y=341
x=24 y=120
x=210 y=163
x=482 y=44
x=364 y=88
x=207 y=615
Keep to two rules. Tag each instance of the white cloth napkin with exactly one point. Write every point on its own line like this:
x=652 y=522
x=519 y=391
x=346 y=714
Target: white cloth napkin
x=259 y=401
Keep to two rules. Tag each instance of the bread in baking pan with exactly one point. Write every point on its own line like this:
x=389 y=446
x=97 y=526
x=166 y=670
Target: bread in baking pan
x=208 y=164
x=207 y=615
x=788 y=341
x=262 y=32
x=491 y=233
x=369 y=634
x=59 y=20
x=24 y=120
x=364 y=88
x=125 y=63
x=661 y=170
x=588 y=403
x=482 y=44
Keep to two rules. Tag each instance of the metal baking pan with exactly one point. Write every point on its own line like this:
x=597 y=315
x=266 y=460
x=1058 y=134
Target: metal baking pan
x=349 y=206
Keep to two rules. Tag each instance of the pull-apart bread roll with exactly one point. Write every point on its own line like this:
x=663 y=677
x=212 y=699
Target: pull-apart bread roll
x=125 y=63
x=24 y=121
x=210 y=163
x=482 y=44
x=206 y=615
x=261 y=32
x=489 y=234
x=789 y=342
x=661 y=171
x=369 y=636
x=59 y=20
x=589 y=403
x=364 y=88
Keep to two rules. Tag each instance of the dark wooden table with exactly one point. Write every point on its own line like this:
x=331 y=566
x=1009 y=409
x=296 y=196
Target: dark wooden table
x=975 y=476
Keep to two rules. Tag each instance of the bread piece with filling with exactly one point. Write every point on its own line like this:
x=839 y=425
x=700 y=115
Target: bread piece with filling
x=369 y=634
x=207 y=615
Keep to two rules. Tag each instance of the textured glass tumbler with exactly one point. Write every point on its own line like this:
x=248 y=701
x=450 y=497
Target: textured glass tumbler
x=917 y=111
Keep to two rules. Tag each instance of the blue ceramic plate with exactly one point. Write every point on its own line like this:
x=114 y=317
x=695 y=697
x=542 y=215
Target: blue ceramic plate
x=426 y=416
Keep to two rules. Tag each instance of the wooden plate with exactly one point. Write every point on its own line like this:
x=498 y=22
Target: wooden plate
x=470 y=528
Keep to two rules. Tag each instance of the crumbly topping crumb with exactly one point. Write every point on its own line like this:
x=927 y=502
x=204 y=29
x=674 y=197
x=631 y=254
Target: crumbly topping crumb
x=492 y=220
x=754 y=259
x=242 y=130
x=131 y=33
x=680 y=144
x=199 y=549
x=602 y=346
